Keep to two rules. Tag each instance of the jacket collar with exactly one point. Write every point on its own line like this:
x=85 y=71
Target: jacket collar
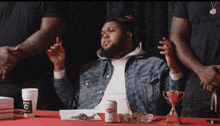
x=137 y=52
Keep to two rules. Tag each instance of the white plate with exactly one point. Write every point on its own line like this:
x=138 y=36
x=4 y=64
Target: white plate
x=67 y=115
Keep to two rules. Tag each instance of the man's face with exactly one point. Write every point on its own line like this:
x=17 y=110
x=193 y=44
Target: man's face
x=113 y=38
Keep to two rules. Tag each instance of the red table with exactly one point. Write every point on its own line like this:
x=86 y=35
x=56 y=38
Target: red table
x=52 y=118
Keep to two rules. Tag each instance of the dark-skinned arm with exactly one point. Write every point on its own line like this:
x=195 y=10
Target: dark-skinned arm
x=209 y=75
x=42 y=39
x=179 y=32
x=35 y=44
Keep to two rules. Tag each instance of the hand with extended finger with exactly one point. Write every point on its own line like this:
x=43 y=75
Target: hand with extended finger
x=168 y=49
x=7 y=60
x=56 y=54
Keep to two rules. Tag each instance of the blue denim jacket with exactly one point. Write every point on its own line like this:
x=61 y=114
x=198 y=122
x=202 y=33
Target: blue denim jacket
x=145 y=80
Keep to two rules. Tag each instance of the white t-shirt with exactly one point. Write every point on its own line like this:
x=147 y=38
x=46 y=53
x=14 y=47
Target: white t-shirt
x=116 y=88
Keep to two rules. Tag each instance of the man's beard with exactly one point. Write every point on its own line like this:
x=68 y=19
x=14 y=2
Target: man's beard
x=114 y=49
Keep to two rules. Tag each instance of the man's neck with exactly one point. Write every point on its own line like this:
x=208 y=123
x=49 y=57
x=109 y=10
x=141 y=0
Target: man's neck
x=120 y=54
x=124 y=52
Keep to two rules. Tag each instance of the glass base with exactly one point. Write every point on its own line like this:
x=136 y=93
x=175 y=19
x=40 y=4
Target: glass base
x=32 y=115
x=172 y=119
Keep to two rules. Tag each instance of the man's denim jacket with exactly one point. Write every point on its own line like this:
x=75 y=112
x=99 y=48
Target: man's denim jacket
x=145 y=79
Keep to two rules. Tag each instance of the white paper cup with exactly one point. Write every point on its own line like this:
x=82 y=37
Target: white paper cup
x=29 y=96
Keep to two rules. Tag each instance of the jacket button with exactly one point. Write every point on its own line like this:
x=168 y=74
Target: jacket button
x=87 y=84
x=101 y=92
x=107 y=76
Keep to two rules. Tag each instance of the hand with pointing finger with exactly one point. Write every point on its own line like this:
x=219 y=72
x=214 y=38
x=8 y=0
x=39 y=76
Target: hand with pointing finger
x=56 y=54
x=168 y=49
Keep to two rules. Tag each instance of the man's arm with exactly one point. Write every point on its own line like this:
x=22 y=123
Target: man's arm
x=67 y=94
x=168 y=49
x=35 y=44
x=180 y=30
x=42 y=39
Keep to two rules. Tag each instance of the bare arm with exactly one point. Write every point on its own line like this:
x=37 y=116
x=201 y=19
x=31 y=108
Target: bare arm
x=35 y=44
x=209 y=75
x=42 y=39
x=180 y=30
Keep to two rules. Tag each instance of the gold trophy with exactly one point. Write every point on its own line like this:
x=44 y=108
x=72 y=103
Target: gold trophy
x=173 y=98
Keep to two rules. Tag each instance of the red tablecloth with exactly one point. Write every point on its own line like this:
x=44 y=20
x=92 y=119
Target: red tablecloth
x=52 y=118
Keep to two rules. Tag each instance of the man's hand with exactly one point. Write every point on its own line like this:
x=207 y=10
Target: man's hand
x=56 y=54
x=210 y=77
x=168 y=49
x=7 y=60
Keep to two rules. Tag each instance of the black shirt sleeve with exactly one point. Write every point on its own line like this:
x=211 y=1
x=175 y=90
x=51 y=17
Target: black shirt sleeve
x=56 y=9
x=181 y=10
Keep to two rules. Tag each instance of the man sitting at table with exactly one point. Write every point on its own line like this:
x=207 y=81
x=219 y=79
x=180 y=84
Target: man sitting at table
x=123 y=72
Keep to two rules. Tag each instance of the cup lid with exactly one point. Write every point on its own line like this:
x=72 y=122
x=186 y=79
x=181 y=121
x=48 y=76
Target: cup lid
x=30 y=90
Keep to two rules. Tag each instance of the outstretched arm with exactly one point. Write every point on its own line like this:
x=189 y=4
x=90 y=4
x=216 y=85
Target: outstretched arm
x=42 y=39
x=35 y=44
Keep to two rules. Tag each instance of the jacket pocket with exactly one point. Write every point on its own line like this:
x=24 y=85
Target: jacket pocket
x=149 y=80
x=90 y=82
